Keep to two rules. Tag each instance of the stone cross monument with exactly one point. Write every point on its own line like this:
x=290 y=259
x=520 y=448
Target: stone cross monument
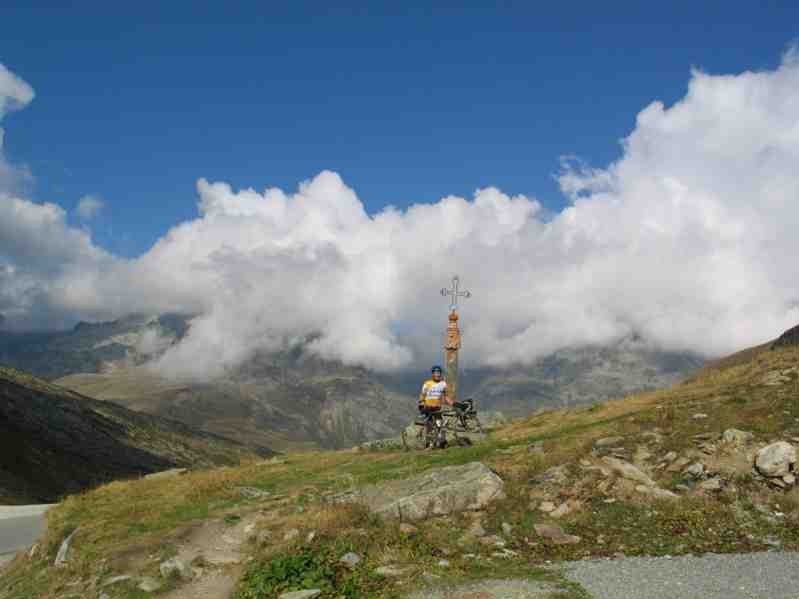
x=453 y=342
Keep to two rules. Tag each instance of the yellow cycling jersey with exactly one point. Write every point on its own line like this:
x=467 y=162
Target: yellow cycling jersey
x=433 y=393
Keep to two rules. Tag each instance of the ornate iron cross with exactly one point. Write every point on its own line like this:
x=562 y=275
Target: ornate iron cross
x=455 y=293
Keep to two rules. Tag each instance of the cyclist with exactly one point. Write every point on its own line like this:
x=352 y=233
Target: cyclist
x=434 y=393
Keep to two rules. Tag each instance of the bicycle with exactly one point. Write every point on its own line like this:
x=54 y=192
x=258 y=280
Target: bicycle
x=432 y=429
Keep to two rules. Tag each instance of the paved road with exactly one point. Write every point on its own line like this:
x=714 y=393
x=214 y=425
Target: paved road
x=767 y=575
x=19 y=527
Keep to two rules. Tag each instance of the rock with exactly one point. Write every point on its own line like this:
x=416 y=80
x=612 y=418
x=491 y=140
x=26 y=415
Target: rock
x=670 y=457
x=477 y=530
x=555 y=534
x=711 y=484
x=566 y=508
x=437 y=492
x=608 y=441
x=560 y=511
x=492 y=541
x=443 y=563
x=678 y=464
x=309 y=594
x=115 y=580
x=653 y=436
x=148 y=584
x=537 y=447
x=166 y=473
x=546 y=507
x=696 y=470
x=34 y=550
x=391 y=571
x=62 y=557
x=350 y=559
x=252 y=493
x=775 y=459
x=656 y=492
x=291 y=534
x=556 y=475
x=628 y=471
x=507 y=529
x=408 y=529
x=310 y=537
x=699 y=416
x=104 y=596
x=174 y=566
x=735 y=437
x=642 y=454
x=263 y=537
x=789 y=479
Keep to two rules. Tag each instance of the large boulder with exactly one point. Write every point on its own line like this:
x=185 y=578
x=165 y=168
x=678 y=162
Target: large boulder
x=775 y=459
x=628 y=471
x=434 y=493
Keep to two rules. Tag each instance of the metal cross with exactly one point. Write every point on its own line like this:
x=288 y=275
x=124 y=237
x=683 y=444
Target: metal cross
x=455 y=293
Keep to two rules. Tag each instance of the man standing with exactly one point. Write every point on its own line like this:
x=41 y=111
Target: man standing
x=434 y=393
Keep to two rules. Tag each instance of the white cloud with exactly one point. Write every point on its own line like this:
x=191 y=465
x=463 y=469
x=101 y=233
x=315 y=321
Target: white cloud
x=688 y=240
x=14 y=95
x=89 y=206
x=14 y=92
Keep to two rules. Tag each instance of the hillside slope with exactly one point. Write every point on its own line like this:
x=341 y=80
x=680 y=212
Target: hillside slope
x=670 y=472
x=55 y=442
x=312 y=405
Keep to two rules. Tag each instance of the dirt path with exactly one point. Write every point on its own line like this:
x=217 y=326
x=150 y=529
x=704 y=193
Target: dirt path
x=215 y=551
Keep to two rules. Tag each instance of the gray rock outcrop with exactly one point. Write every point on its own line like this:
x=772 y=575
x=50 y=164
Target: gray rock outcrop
x=628 y=471
x=434 y=493
x=775 y=459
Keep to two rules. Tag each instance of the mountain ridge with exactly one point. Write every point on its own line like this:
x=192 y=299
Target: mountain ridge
x=54 y=441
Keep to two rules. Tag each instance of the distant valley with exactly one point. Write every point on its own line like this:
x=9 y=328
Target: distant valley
x=292 y=400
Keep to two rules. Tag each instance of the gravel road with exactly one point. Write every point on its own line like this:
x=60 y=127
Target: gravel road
x=767 y=575
x=19 y=527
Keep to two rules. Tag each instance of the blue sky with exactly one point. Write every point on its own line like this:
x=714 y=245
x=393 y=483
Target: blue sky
x=407 y=102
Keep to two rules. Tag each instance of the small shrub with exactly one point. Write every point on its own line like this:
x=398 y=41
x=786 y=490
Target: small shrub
x=306 y=568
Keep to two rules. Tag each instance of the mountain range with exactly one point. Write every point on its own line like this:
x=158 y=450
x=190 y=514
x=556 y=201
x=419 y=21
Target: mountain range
x=292 y=399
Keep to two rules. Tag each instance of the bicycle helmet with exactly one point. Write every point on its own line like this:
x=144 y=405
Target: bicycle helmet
x=436 y=369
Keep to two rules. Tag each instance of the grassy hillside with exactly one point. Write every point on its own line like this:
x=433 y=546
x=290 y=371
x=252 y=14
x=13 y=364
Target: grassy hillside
x=54 y=441
x=555 y=457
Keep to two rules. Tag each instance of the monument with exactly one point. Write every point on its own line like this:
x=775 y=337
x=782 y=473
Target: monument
x=453 y=340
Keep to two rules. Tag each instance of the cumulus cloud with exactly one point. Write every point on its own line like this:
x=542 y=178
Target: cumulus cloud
x=14 y=92
x=14 y=95
x=89 y=206
x=688 y=241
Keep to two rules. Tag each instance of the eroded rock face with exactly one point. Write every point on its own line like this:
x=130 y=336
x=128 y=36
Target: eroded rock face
x=434 y=493
x=775 y=459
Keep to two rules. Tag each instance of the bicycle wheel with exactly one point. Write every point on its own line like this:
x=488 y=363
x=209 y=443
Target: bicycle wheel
x=474 y=424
